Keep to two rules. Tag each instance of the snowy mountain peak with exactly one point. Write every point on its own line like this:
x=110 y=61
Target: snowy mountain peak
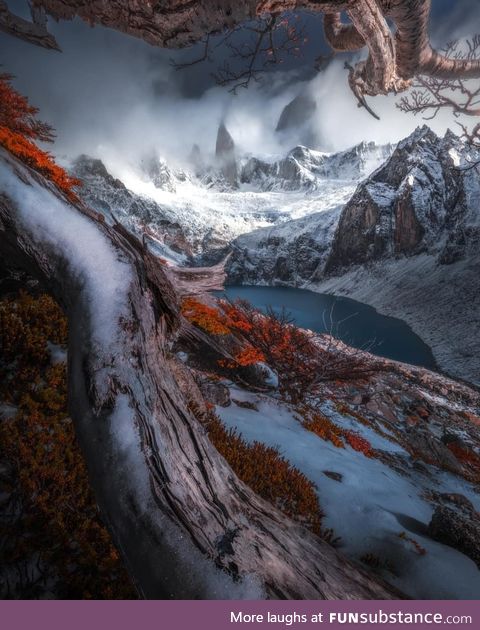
x=156 y=170
x=418 y=201
x=307 y=169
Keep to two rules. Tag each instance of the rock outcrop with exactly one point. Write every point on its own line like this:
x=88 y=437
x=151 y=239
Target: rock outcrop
x=141 y=215
x=225 y=154
x=457 y=526
x=155 y=170
x=419 y=201
x=297 y=112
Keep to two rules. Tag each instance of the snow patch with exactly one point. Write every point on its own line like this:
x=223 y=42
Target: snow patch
x=93 y=260
x=372 y=504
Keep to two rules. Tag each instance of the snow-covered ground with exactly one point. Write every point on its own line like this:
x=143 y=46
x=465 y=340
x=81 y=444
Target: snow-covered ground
x=232 y=213
x=269 y=191
x=373 y=503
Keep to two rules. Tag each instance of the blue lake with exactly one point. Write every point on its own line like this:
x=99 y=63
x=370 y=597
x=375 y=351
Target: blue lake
x=357 y=324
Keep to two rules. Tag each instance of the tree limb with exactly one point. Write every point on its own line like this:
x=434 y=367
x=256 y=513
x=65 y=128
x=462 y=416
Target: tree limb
x=34 y=32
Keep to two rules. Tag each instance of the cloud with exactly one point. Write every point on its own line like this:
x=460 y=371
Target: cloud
x=340 y=123
x=115 y=97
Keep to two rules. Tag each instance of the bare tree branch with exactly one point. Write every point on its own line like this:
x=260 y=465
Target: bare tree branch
x=272 y=40
x=460 y=95
x=394 y=31
x=34 y=32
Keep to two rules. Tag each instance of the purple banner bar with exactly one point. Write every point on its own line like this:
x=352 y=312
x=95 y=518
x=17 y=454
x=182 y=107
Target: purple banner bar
x=231 y=615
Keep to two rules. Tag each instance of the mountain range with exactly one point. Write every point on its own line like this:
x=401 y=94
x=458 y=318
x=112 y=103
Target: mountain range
x=397 y=227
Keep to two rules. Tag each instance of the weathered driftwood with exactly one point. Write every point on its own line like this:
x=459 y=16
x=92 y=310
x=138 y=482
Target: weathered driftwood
x=186 y=526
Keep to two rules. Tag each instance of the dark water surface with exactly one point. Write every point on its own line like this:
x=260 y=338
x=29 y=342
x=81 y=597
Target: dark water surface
x=355 y=323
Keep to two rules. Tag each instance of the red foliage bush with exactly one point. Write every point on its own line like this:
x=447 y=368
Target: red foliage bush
x=222 y=322
x=358 y=443
x=465 y=456
x=322 y=426
x=18 y=129
x=205 y=317
x=271 y=476
x=326 y=429
x=292 y=352
x=48 y=511
x=18 y=115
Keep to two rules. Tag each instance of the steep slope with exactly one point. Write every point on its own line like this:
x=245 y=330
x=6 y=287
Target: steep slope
x=154 y=471
x=419 y=201
x=139 y=214
x=290 y=253
x=393 y=449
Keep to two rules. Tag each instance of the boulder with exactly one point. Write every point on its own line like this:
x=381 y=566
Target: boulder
x=458 y=528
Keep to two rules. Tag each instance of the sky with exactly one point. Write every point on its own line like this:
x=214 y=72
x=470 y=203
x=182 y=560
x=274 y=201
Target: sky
x=115 y=97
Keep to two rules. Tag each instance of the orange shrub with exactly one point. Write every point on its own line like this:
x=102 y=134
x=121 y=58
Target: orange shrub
x=326 y=429
x=291 y=352
x=55 y=519
x=465 y=456
x=18 y=115
x=205 y=317
x=236 y=318
x=39 y=160
x=269 y=475
x=19 y=128
x=245 y=357
x=359 y=443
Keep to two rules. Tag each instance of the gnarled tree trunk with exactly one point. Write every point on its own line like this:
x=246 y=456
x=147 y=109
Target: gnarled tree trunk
x=186 y=526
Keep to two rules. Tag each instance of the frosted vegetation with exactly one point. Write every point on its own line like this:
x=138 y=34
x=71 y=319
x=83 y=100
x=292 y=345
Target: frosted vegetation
x=372 y=504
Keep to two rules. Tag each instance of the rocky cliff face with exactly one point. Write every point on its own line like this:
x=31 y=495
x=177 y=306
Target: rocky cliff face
x=292 y=253
x=421 y=200
x=225 y=154
x=297 y=118
x=296 y=113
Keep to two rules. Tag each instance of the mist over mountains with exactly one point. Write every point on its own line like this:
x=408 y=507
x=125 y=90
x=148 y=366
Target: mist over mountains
x=125 y=99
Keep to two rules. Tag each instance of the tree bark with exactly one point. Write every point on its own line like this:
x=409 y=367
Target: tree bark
x=392 y=63
x=34 y=32
x=185 y=525
x=177 y=23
